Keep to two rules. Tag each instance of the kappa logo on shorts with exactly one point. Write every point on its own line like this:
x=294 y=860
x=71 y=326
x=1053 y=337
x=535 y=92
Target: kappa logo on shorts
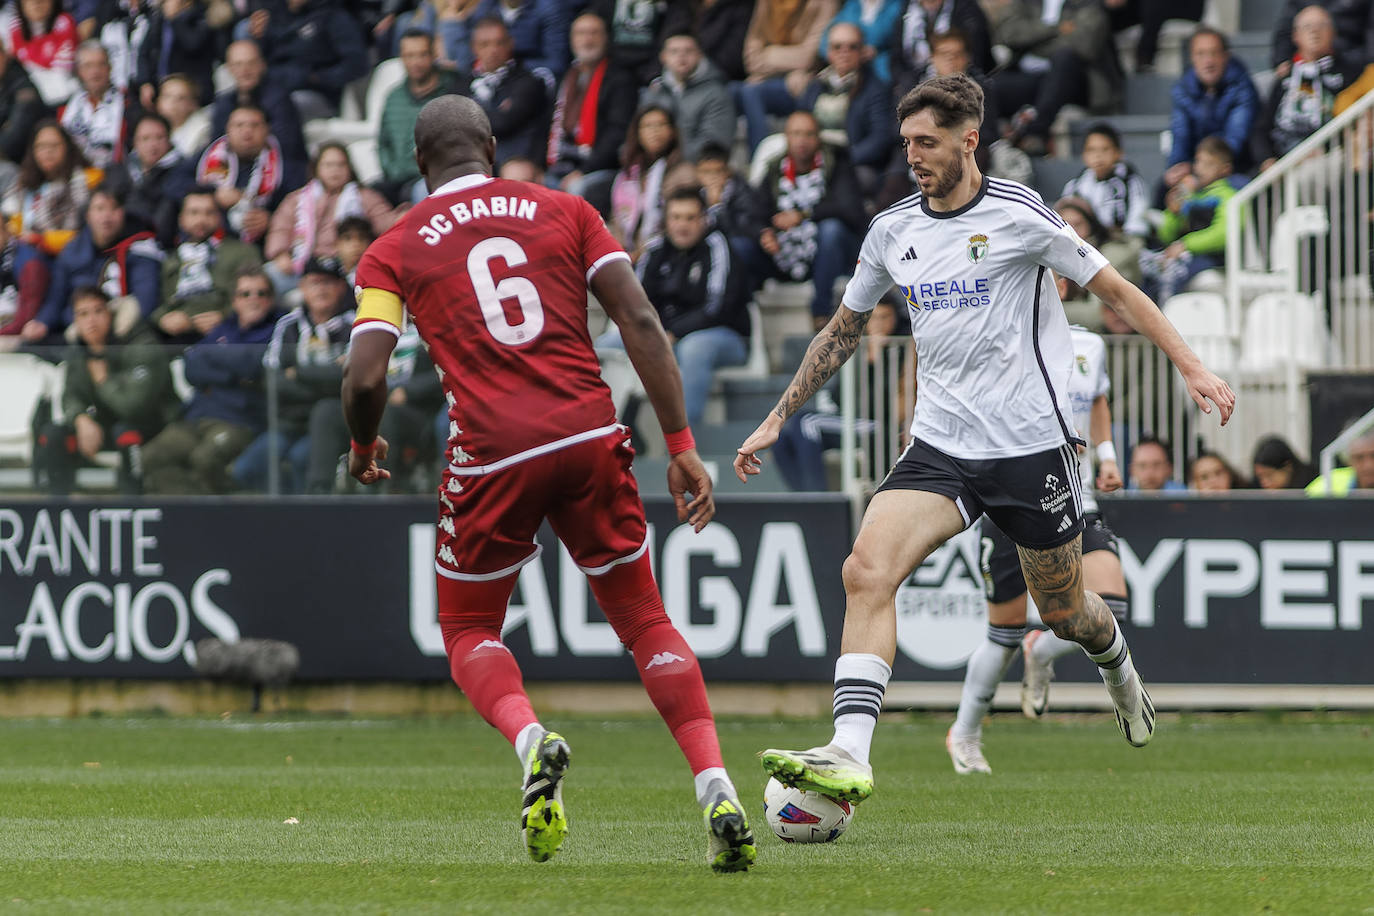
x=490 y=644
x=460 y=456
x=446 y=554
x=664 y=658
x=446 y=525
x=454 y=486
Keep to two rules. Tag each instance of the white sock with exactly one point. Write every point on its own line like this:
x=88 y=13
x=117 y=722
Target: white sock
x=702 y=783
x=860 y=682
x=1114 y=662
x=1048 y=647
x=528 y=737
x=986 y=666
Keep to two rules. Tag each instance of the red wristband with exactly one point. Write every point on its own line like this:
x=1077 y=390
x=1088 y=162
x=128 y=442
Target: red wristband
x=679 y=441
x=365 y=450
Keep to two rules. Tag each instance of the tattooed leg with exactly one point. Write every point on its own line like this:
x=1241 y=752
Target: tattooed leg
x=1055 y=580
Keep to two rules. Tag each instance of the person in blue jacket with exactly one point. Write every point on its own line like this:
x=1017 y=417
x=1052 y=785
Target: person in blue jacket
x=1214 y=96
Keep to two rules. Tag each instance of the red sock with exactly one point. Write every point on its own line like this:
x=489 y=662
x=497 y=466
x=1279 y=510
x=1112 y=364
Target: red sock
x=481 y=664
x=629 y=597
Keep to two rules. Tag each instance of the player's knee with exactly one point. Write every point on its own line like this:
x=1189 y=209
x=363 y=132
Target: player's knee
x=865 y=576
x=1118 y=605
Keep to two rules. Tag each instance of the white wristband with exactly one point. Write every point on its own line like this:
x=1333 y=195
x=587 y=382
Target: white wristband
x=1106 y=451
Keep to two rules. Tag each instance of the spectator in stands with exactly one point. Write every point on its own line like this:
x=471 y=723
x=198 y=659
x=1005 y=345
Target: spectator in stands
x=396 y=139
x=539 y=29
x=923 y=20
x=1354 y=26
x=99 y=116
x=780 y=51
x=591 y=117
x=178 y=101
x=248 y=172
x=117 y=394
x=1150 y=15
x=848 y=95
x=303 y=227
x=307 y=353
x=522 y=168
x=200 y=271
x=818 y=426
x=1152 y=466
x=879 y=25
x=651 y=150
x=355 y=234
x=693 y=90
x=1112 y=186
x=43 y=39
x=700 y=294
x=636 y=34
x=253 y=87
x=152 y=178
x=1278 y=467
x=313 y=48
x=1304 y=98
x=1214 y=96
x=1358 y=476
x=109 y=253
x=719 y=27
x=178 y=40
x=1194 y=225
x=20 y=110
x=1071 y=61
x=1082 y=306
x=815 y=225
x=228 y=408
x=514 y=98
x=121 y=27
x=1211 y=473
x=449 y=23
x=734 y=208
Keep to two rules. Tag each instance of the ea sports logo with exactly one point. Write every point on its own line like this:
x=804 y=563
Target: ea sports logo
x=941 y=613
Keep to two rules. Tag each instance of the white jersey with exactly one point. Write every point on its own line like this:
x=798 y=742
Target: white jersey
x=992 y=343
x=1087 y=382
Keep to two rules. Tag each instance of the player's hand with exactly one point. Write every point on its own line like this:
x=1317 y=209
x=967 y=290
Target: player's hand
x=1108 y=476
x=747 y=462
x=687 y=475
x=365 y=468
x=1204 y=386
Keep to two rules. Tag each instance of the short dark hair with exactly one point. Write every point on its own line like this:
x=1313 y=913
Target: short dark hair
x=490 y=22
x=199 y=190
x=153 y=116
x=954 y=99
x=356 y=225
x=692 y=192
x=90 y=291
x=1216 y=146
x=253 y=272
x=415 y=32
x=181 y=78
x=113 y=188
x=682 y=33
x=249 y=106
x=1208 y=30
x=713 y=152
x=1103 y=129
x=1151 y=439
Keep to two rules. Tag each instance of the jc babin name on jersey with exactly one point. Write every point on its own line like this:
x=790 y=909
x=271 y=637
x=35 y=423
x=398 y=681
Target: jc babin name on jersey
x=440 y=224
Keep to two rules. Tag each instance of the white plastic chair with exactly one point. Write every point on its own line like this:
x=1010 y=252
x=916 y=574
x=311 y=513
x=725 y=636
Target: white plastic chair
x=1285 y=327
x=1200 y=319
x=24 y=379
x=756 y=366
x=386 y=76
x=367 y=162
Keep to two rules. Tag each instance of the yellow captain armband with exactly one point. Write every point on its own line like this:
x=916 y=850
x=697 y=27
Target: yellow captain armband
x=379 y=310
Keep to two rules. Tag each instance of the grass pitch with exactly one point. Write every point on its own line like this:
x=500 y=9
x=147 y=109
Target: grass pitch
x=1218 y=815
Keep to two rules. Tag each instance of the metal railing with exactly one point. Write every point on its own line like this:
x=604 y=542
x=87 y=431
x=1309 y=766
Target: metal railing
x=1329 y=454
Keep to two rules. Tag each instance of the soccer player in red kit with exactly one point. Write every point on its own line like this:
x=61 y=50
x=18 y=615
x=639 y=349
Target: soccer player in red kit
x=495 y=274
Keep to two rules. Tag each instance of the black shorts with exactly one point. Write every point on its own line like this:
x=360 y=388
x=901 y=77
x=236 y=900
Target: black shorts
x=1002 y=579
x=1035 y=498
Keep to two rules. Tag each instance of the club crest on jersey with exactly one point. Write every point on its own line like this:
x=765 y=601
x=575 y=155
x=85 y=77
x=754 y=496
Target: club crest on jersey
x=1082 y=362
x=977 y=248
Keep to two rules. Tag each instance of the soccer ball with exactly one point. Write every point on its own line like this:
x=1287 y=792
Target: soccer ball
x=799 y=816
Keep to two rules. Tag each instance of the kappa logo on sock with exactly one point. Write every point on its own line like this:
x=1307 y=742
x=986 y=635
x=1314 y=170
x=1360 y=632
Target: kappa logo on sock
x=663 y=658
x=490 y=644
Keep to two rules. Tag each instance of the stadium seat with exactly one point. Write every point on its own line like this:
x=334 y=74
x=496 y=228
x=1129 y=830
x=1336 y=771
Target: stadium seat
x=367 y=162
x=386 y=76
x=24 y=379
x=1282 y=328
x=1201 y=319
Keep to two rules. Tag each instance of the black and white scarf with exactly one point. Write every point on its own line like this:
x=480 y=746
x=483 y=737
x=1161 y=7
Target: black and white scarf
x=797 y=246
x=916 y=36
x=1308 y=96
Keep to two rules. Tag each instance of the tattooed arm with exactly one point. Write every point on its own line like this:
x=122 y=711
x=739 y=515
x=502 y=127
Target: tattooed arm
x=836 y=342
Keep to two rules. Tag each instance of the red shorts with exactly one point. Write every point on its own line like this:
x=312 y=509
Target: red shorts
x=586 y=491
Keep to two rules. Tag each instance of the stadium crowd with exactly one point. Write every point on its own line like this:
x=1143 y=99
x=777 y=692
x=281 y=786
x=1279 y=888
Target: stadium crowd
x=175 y=178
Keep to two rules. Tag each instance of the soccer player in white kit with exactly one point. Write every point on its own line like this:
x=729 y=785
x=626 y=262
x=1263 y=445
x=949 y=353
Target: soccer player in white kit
x=991 y=432
x=1006 y=586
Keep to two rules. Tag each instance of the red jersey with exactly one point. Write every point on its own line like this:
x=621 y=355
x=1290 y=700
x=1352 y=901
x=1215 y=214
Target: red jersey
x=494 y=274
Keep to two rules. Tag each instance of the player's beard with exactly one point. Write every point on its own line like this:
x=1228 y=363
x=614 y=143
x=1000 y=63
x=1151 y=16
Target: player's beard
x=948 y=180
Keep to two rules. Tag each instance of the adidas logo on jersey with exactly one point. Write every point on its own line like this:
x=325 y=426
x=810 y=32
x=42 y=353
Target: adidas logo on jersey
x=664 y=658
x=910 y=254
x=1065 y=525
